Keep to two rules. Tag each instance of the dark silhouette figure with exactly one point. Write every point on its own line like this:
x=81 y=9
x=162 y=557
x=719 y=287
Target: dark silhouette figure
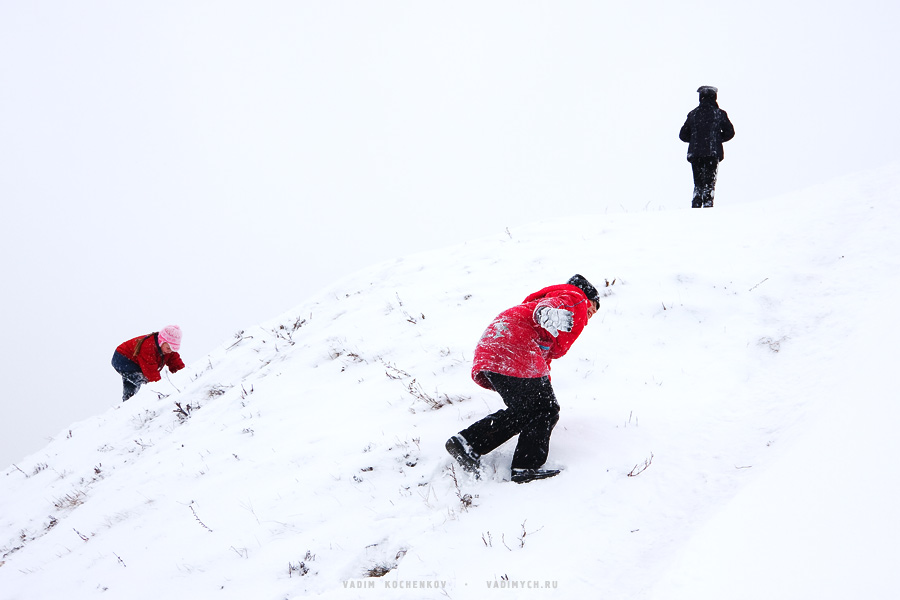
x=707 y=127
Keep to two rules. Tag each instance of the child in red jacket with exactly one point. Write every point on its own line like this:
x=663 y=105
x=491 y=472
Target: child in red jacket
x=513 y=358
x=140 y=359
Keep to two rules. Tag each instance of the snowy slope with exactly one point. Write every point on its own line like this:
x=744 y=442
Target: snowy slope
x=740 y=358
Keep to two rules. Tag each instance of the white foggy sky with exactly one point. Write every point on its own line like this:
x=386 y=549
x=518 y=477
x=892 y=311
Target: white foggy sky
x=213 y=164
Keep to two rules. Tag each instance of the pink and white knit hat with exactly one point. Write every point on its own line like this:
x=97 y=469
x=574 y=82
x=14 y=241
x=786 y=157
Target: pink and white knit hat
x=171 y=334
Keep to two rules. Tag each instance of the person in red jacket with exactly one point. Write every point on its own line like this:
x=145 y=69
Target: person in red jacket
x=513 y=358
x=140 y=359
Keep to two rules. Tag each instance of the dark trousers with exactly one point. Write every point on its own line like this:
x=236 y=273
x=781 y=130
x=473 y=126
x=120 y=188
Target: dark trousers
x=132 y=377
x=531 y=413
x=705 y=171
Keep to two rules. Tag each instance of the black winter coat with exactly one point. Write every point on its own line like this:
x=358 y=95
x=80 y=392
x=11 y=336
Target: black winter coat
x=705 y=129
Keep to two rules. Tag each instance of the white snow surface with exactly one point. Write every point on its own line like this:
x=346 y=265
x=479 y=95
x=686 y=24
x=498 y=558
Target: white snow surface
x=727 y=429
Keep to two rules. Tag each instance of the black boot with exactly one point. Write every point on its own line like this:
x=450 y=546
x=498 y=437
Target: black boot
x=467 y=458
x=526 y=475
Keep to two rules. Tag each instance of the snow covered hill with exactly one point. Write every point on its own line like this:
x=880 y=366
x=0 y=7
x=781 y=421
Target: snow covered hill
x=726 y=429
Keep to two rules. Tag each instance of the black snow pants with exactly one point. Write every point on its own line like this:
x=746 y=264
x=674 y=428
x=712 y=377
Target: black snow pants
x=705 y=171
x=531 y=413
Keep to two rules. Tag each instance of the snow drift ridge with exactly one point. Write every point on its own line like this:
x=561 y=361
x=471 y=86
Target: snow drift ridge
x=305 y=455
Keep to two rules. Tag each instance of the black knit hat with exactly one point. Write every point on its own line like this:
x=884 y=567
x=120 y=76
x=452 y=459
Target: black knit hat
x=585 y=286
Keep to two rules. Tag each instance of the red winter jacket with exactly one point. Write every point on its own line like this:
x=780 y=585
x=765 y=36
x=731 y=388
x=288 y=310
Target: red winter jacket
x=515 y=345
x=145 y=351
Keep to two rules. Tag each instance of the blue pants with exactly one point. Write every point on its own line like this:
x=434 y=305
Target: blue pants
x=132 y=377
